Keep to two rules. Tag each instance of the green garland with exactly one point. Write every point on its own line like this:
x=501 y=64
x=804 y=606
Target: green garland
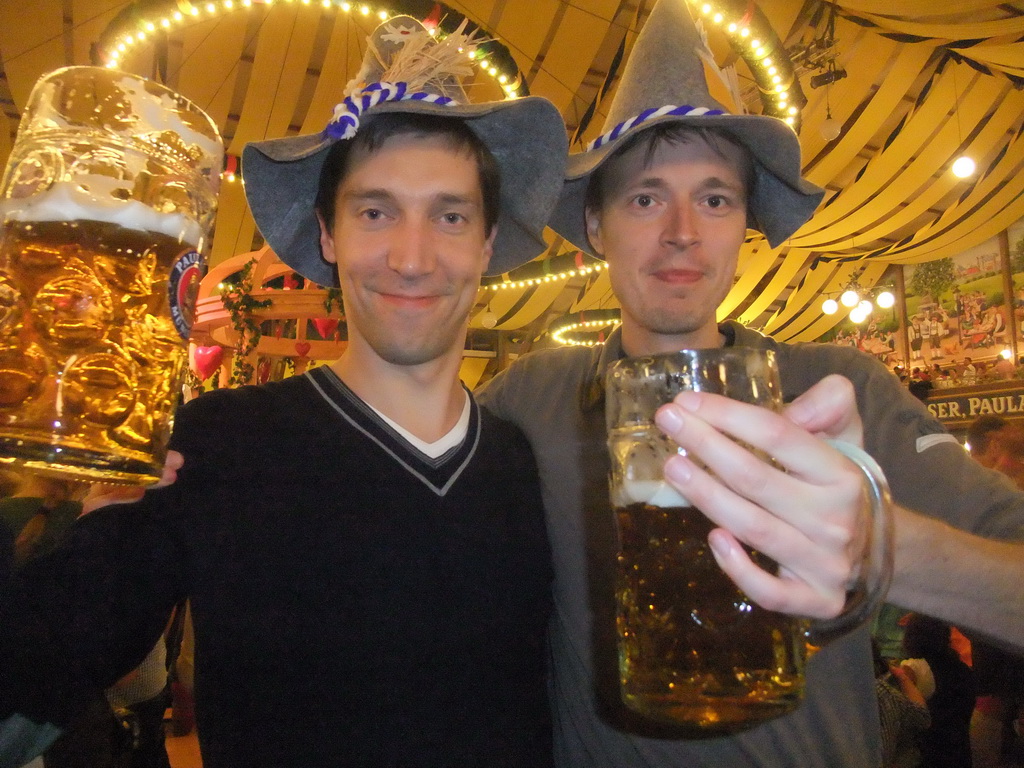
x=240 y=304
x=192 y=381
x=333 y=295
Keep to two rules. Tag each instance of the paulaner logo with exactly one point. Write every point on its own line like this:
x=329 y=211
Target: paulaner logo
x=183 y=289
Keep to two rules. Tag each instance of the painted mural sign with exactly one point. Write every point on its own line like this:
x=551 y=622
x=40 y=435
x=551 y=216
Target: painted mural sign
x=956 y=307
x=1016 y=238
x=961 y=408
x=953 y=308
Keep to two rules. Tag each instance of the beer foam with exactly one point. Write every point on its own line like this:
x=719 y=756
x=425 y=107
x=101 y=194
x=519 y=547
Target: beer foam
x=657 y=493
x=67 y=201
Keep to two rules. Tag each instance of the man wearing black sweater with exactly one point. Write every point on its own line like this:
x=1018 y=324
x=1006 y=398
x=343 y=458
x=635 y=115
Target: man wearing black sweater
x=363 y=547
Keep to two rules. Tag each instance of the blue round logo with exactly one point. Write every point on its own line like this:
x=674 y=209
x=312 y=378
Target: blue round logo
x=183 y=289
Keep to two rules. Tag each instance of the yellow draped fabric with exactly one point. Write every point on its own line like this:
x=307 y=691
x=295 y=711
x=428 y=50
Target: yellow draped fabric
x=907 y=110
x=472 y=369
x=961 y=31
x=912 y=8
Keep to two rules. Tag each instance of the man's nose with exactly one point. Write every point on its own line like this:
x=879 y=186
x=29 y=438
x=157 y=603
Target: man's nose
x=412 y=253
x=680 y=225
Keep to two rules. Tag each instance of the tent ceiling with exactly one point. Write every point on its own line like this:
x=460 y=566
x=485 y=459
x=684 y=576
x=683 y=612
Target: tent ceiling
x=922 y=86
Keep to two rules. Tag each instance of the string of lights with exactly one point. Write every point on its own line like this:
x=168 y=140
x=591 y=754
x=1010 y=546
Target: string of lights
x=509 y=279
x=585 y=329
x=129 y=32
x=750 y=35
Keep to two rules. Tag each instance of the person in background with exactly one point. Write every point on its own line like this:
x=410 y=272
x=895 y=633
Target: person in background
x=39 y=513
x=969 y=372
x=996 y=443
x=141 y=697
x=1004 y=368
x=981 y=439
x=920 y=386
x=902 y=711
x=946 y=742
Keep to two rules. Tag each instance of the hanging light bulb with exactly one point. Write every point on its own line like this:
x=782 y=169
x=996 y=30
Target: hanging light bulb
x=963 y=167
x=829 y=306
x=885 y=300
x=858 y=316
x=866 y=307
x=488 y=319
x=830 y=129
x=849 y=298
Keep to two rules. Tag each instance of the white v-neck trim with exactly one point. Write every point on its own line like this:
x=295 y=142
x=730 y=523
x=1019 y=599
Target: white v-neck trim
x=445 y=443
x=438 y=474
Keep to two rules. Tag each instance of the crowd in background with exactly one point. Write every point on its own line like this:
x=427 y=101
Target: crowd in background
x=921 y=380
x=124 y=728
x=947 y=699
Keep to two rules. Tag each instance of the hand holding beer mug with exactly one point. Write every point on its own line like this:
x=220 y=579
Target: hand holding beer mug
x=694 y=650
x=106 y=207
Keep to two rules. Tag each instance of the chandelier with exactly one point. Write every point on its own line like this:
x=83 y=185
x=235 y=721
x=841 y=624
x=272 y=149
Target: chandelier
x=859 y=301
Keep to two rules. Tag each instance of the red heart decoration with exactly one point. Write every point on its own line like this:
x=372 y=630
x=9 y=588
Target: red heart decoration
x=302 y=347
x=325 y=326
x=206 y=361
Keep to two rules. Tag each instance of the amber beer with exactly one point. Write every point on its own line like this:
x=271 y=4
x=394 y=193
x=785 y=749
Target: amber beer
x=90 y=353
x=693 y=649
x=106 y=208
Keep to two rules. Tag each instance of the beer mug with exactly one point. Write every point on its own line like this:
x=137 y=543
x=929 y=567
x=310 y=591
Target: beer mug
x=106 y=209
x=694 y=651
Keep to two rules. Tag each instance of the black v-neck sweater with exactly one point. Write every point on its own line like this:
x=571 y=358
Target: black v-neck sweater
x=355 y=602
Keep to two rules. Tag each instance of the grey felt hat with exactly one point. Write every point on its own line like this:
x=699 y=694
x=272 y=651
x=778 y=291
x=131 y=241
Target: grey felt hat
x=526 y=136
x=666 y=79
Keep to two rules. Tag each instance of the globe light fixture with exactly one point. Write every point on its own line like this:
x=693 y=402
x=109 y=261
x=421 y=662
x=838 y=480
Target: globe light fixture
x=859 y=300
x=830 y=129
x=963 y=167
x=858 y=315
x=849 y=298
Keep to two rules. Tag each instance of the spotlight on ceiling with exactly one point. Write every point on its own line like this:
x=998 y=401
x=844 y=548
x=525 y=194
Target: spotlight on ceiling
x=827 y=78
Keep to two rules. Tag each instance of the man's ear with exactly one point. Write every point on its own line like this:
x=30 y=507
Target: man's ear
x=326 y=241
x=489 y=247
x=593 y=222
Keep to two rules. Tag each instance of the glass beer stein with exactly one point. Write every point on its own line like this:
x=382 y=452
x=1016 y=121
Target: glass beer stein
x=106 y=209
x=694 y=651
